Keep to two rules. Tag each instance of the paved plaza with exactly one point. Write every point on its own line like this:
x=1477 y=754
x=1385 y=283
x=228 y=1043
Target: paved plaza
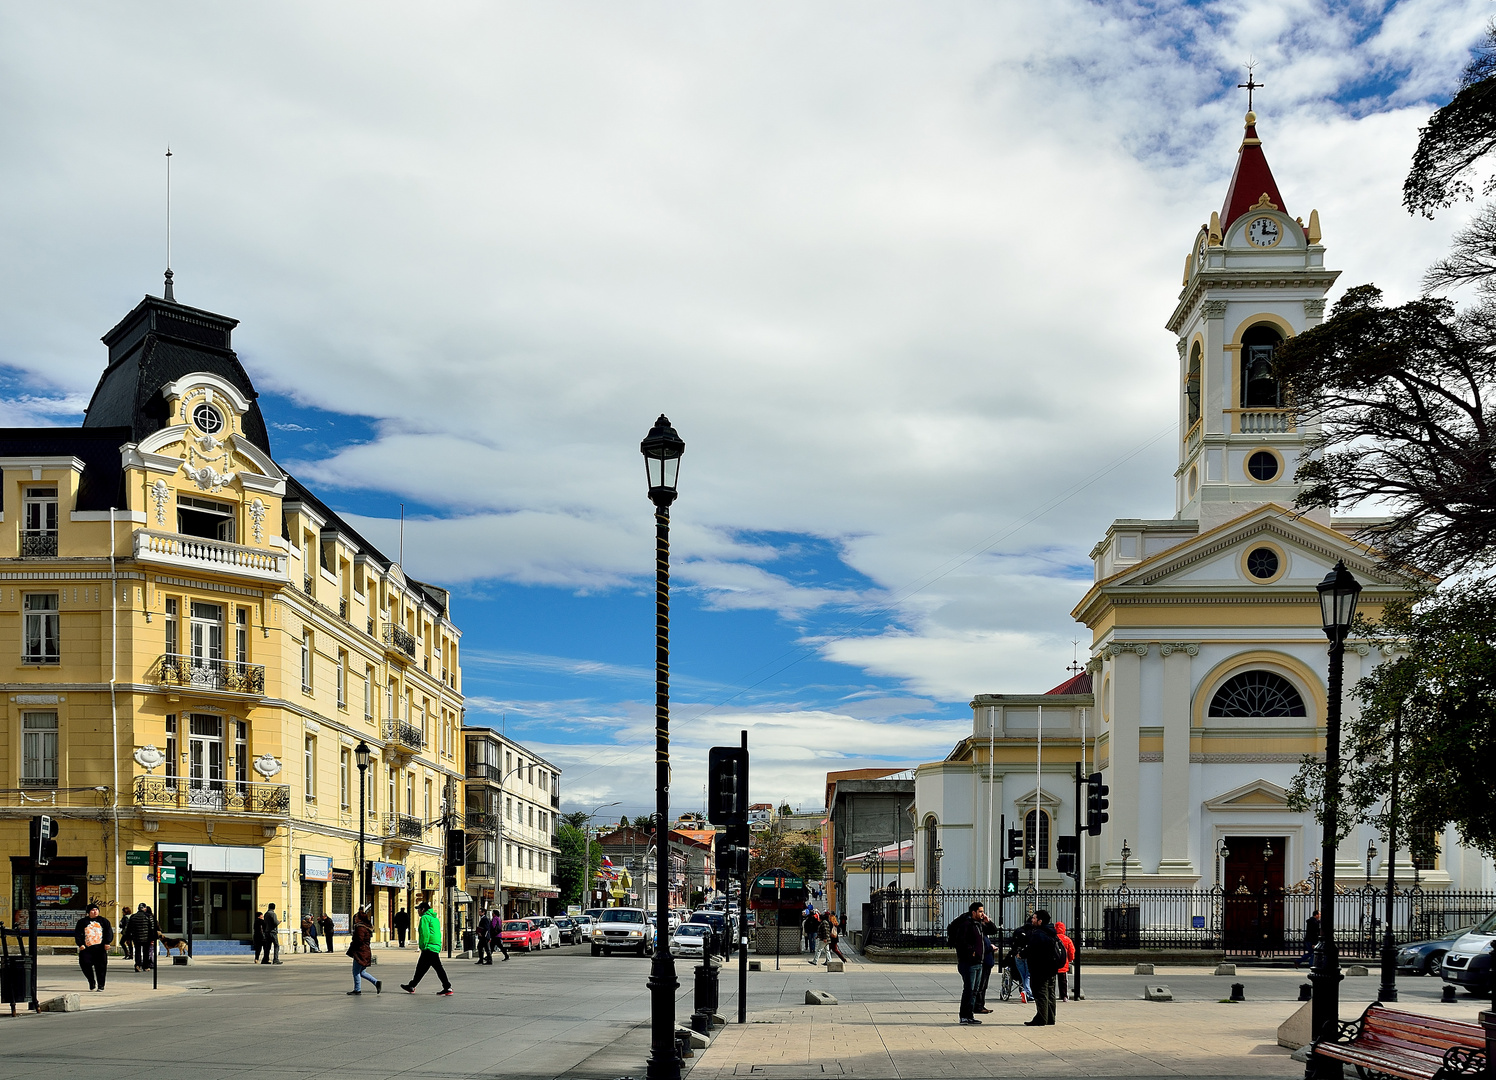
x=568 y=1014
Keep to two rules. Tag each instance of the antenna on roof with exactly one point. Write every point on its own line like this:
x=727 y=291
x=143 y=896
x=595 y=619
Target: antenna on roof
x=402 y=536
x=1250 y=84
x=168 y=294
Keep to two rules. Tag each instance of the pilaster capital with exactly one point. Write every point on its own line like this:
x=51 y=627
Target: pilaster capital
x=1314 y=309
x=1117 y=648
x=1167 y=648
x=1214 y=309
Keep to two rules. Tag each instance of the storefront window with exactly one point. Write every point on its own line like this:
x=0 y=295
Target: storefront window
x=61 y=894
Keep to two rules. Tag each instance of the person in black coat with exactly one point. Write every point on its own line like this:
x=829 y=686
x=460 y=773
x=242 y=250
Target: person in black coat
x=402 y=925
x=971 y=947
x=94 y=935
x=259 y=935
x=126 y=943
x=1042 y=951
x=1311 y=939
x=326 y=923
x=144 y=931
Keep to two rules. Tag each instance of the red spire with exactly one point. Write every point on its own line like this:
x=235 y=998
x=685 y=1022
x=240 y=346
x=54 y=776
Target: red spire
x=1252 y=181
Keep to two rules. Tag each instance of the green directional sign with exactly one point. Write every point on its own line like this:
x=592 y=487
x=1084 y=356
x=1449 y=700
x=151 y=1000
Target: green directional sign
x=168 y=875
x=137 y=858
x=173 y=858
x=775 y=881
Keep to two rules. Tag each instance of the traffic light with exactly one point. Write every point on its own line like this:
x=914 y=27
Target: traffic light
x=1067 y=849
x=1065 y=863
x=1096 y=804
x=1015 y=843
x=43 y=840
x=732 y=862
x=456 y=847
x=1010 y=880
x=727 y=785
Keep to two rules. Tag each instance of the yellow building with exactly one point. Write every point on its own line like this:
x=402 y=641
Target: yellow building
x=198 y=646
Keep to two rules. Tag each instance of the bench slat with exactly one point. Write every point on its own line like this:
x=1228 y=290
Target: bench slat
x=1404 y=1044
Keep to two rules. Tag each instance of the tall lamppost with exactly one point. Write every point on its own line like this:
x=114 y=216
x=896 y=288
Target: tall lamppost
x=662 y=449
x=1388 y=990
x=587 y=879
x=1338 y=594
x=361 y=754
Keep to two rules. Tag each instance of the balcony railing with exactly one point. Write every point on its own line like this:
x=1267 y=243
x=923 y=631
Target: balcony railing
x=203 y=673
x=556 y=799
x=479 y=821
x=404 y=827
x=342 y=608
x=1265 y=421
x=397 y=637
x=406 y=735
x=481 y=871
x=226 y=796
x=38 y=545
x=478 y=770
x=175 y=549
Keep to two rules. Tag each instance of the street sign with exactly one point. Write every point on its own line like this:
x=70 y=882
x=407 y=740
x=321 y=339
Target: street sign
x=137 y=858
x=173 y=858
x=168 y=875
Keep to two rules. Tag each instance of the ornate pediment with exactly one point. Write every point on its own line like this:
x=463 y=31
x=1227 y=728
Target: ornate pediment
x=1258 y=795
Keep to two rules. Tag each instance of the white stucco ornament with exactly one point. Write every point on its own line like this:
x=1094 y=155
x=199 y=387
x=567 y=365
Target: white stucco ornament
x=148 y=757
x=267 y=766
x=159 y=494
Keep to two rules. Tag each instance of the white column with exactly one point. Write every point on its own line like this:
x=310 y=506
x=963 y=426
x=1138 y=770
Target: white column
x=1122 y=751
x=1176 y=810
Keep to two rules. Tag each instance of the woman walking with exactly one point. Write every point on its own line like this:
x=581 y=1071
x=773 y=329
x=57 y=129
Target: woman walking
x=144 y=931
x=127 y=946
x=835 y=935
x=94 y=935
x=259 y=938
x=363 y=931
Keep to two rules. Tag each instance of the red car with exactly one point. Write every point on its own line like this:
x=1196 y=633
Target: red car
x=522 y=934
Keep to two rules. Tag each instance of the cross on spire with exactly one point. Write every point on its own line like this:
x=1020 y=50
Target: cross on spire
x=1249 y=85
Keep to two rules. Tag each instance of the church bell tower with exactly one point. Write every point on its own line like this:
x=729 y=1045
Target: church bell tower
x=1254 y=277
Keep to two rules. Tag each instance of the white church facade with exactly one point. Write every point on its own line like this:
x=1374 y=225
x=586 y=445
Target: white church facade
x=1206 y=681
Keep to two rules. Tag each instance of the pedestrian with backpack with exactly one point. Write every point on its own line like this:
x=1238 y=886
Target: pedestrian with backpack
x=1016 y=946
x=965 y=935
x=1064 y=975
x=989 y=961
x=1044 y=954
x=811 y=924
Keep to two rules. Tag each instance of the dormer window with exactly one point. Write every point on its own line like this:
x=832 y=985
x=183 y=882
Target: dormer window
x=39 y=521
x=207 y=419
x=1259 y=389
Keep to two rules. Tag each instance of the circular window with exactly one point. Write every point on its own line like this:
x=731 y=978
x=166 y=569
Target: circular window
x=1263 y=465
x=207 y=419
x=1262 y=563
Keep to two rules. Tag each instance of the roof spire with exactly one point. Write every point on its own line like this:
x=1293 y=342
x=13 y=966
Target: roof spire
x=1252 y=184
x=167 y=295
x=1249 y=85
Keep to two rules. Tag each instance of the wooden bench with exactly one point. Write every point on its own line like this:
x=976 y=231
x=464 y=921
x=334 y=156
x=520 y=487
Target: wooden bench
x=1386 y=1043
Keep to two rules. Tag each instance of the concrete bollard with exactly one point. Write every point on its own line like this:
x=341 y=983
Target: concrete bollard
x=819 y=997
x=61 y=1003
x=1157 y=993
x=1225 y=969
x=1306 y=991
x=1238 y=991
x=1143 y=969
x=835 y=965
x=1357 y=969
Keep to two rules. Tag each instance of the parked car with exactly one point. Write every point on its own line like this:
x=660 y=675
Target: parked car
x=522 y=934
x=569 y=929
x=584 y=928
x=690 y=940
x=1425 y=957
x=724 y=929
x=1468 y=961
x=621 y=928
x=550 y=934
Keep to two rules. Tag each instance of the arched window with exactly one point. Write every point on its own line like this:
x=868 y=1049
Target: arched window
x=1192 y=389
x=1257 y=693
x=932 y=852
x=1036 y=840
x=1259 y=389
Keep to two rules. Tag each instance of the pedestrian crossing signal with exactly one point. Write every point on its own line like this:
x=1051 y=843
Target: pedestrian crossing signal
x=43 y=842
x=1010 y=880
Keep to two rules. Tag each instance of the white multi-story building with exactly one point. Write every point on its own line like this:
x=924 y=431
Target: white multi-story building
x=513 y=801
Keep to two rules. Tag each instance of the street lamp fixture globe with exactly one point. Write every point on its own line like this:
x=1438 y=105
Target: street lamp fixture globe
x=1338 y=594
x=361 y=754
x=662 y=449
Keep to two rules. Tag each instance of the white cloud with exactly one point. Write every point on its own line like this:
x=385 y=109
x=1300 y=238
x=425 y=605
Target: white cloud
x=897 y=272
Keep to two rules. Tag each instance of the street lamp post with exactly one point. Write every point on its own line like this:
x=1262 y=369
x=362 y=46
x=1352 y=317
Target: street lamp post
x=662 y=449
x=587 y=879
x=1388 y=990
x=361 y=754
x=1338 y=594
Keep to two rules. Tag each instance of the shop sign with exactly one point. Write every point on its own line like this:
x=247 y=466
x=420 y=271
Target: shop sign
x=430 y=881
x=316 y=868
x=389 y=875
x=340 y=922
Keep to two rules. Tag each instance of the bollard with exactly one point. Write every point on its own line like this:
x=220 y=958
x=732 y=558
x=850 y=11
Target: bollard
x=1238 y=992
x=1306 y=991
x=1448 y=997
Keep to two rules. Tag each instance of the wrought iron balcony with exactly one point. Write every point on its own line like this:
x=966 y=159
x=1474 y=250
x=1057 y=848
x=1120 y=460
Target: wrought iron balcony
x=404 y=827
x=226 y=796
x=306 y=585
x=478 y=770
x=405 y=736
x=38 y=544
x=480 y=871
x=342 y=607
x=397 y=637
x=195 y=552
x=204 y=673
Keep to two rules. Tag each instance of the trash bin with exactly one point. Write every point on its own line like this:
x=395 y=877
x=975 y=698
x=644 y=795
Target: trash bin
x=15 y=980
x=470 y=941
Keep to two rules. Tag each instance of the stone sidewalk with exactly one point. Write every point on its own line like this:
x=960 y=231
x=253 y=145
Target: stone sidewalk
x=1110 y=1034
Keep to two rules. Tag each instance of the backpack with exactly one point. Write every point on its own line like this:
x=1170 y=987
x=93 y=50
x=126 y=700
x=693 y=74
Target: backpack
x=953 y=933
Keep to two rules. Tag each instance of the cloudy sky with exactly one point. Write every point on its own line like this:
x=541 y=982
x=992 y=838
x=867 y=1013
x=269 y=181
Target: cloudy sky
x=898 y=273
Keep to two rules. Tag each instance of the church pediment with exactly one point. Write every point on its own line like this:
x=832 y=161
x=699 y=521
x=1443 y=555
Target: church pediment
x=1258 y=795
x=1044 y=797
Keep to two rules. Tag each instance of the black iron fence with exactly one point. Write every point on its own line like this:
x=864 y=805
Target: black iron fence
x=404 y=827
x=208 y=673
x=227 y=796
x=403 y=734
x=1243 y=924
x=397 y=637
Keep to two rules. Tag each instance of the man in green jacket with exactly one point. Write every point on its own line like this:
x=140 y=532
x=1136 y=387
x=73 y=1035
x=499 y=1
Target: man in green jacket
x=429 y=938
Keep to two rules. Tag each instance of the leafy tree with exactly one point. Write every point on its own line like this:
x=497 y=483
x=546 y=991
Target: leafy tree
x=807 y=861
x=1404 y=395
x=784 y=810
x=1456 y=137
x=577 y=863
x=576 y=819
x=623 y=821
x=769 y=851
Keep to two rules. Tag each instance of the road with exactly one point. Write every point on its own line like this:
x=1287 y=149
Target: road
x=561 y=1013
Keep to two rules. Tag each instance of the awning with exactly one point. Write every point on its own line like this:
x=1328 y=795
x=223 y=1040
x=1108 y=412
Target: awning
x=460 y=897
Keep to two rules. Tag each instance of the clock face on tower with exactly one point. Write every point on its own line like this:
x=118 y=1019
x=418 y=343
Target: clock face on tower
x=1264 y=232
x=1200 y=253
